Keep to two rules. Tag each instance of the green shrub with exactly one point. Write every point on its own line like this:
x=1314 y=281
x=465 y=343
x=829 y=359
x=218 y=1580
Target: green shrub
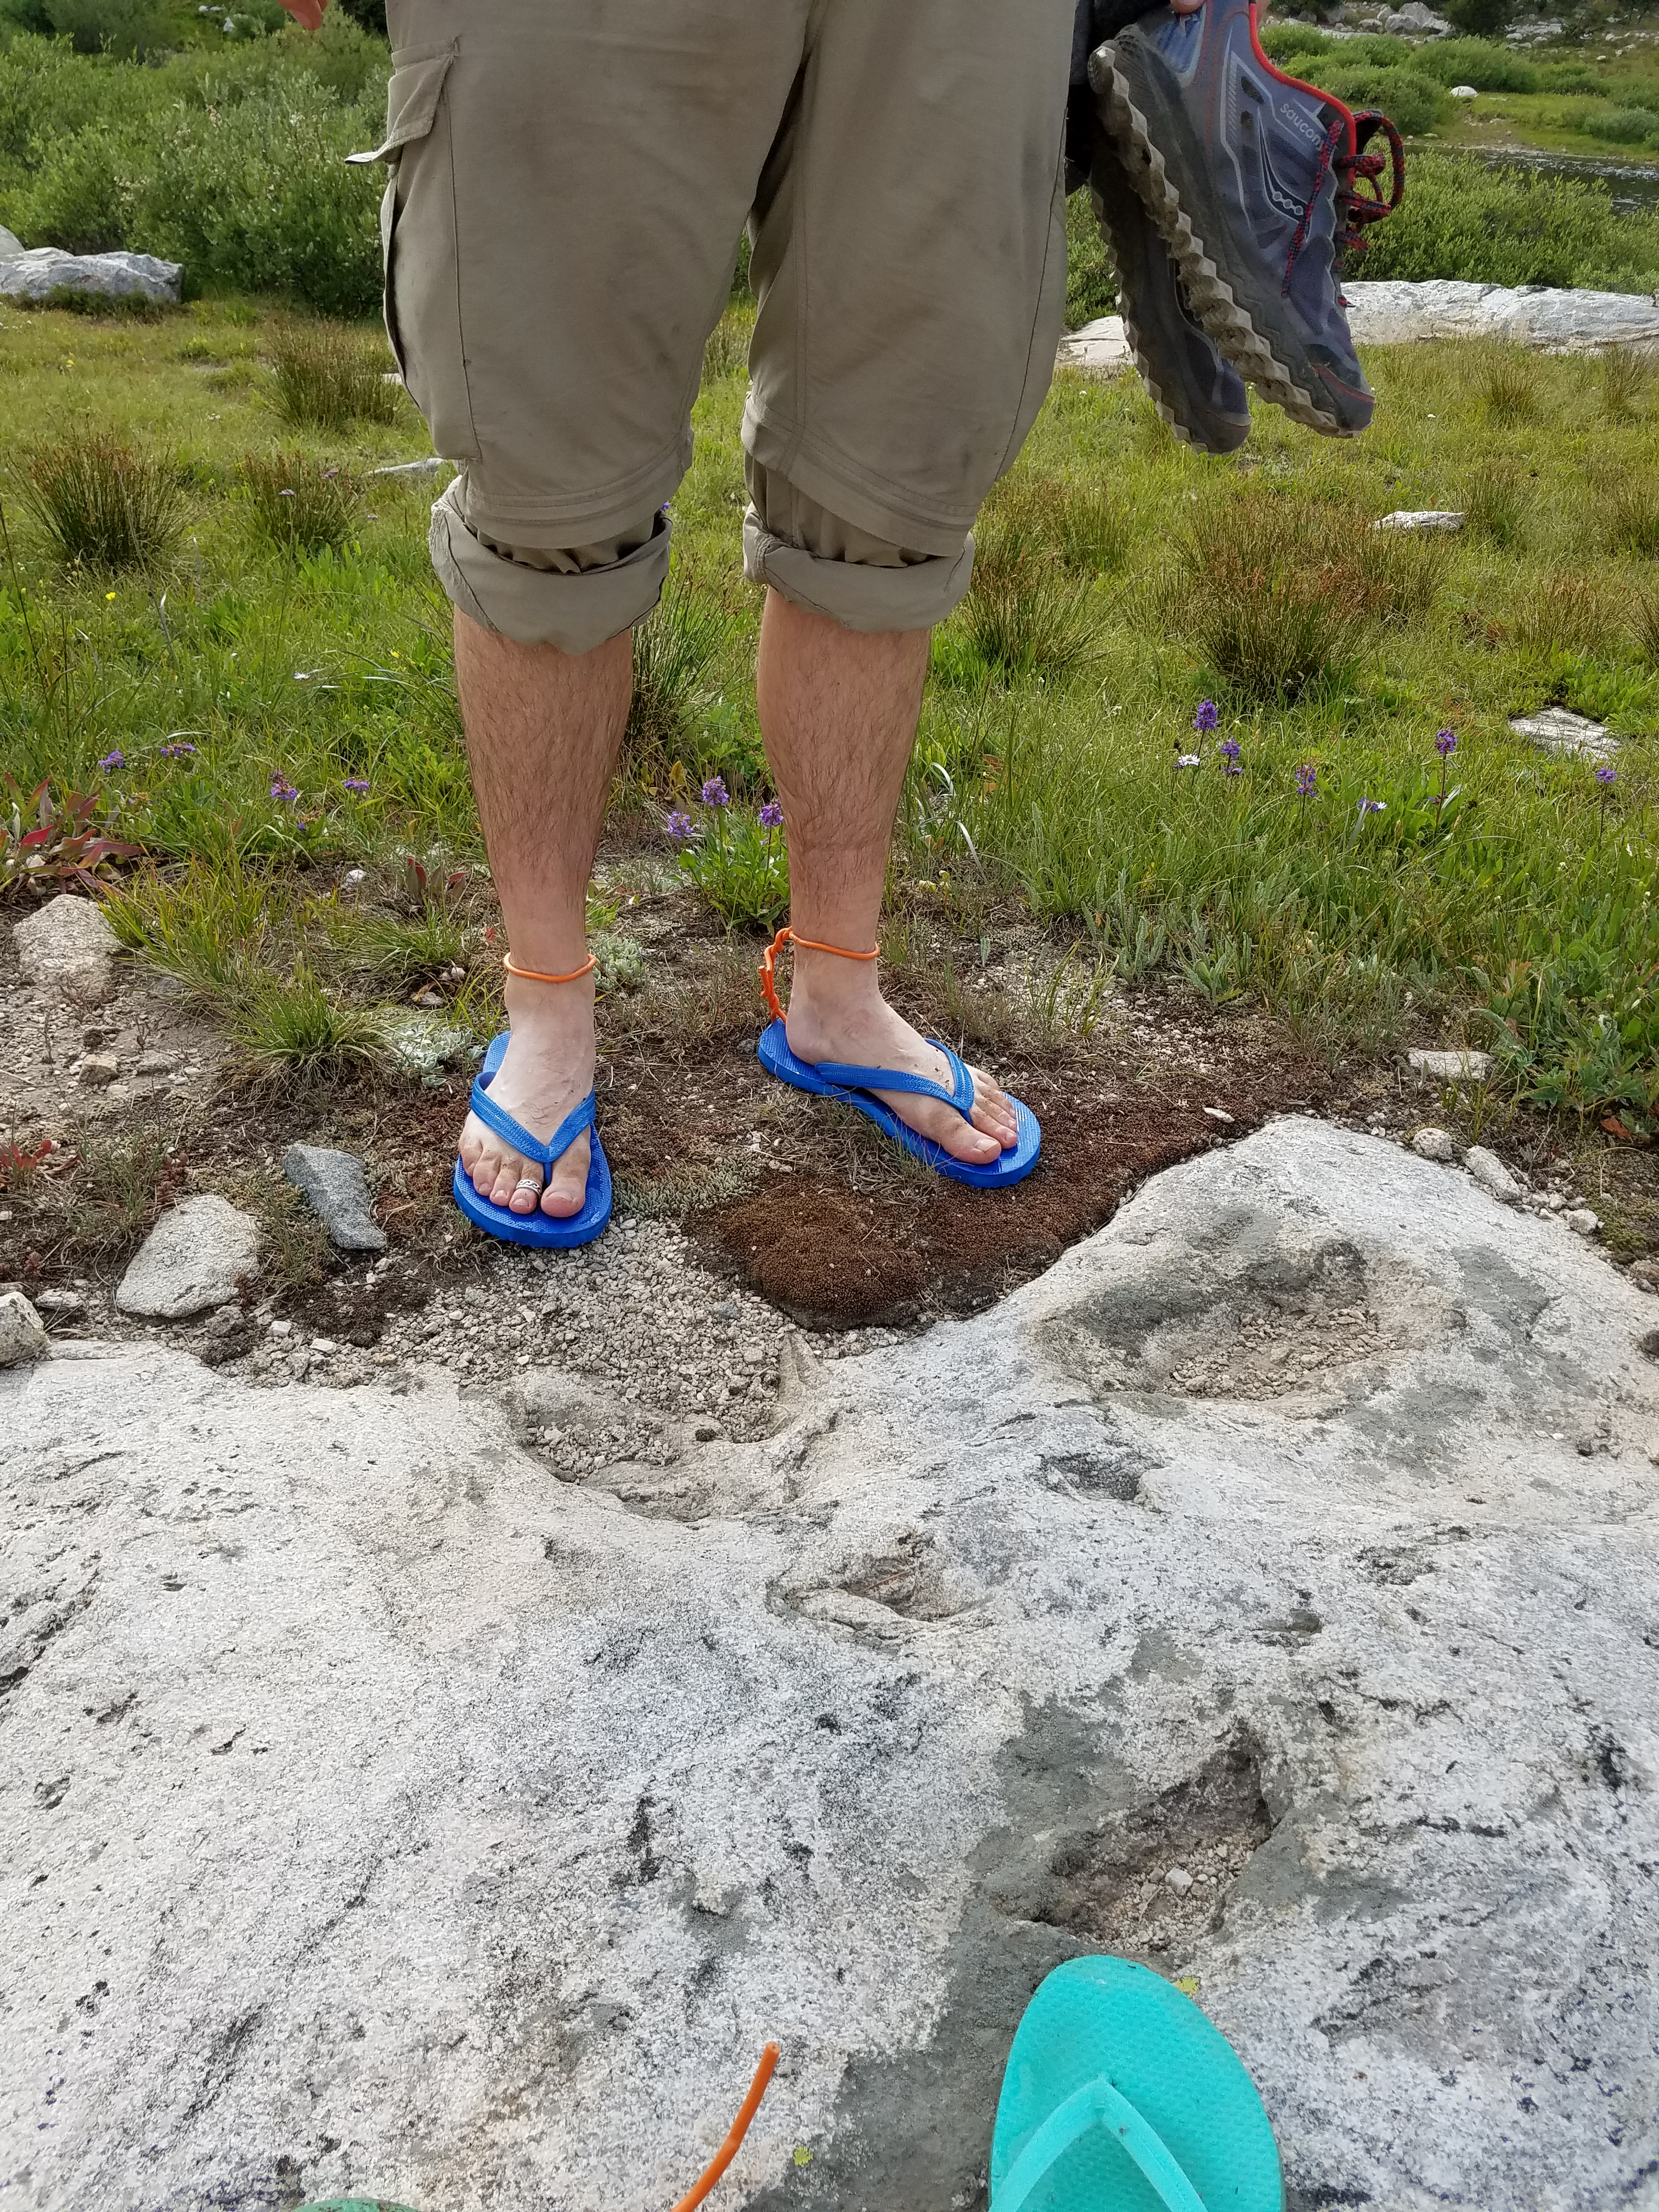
x=1573 y=77
x=1622 y=126
x=1291 y=44
x=231 y=162
x=299 y=503
x=1412 y=102
x=126 y=29
x=1505 y=226
x=1271 y=597
x=330 y=375
x=1482 y=19
x=1483 y=63
x=103 y=504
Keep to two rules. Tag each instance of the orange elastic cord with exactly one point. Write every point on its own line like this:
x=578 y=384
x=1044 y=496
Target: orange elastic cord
x=535 y=975
x=728 y=2150
x=769 y=960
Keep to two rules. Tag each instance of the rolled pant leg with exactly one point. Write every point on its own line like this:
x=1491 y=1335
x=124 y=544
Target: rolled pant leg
x=909 y=259
x=567 y=184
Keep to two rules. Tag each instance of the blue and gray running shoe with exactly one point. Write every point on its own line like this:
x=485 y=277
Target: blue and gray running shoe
x=1257 y=183
x=1195 y=389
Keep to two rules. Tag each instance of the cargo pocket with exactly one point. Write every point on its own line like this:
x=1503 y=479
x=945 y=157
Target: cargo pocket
x=419 y=249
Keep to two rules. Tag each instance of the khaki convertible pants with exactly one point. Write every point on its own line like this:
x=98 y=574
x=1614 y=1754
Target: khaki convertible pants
x=567 y=182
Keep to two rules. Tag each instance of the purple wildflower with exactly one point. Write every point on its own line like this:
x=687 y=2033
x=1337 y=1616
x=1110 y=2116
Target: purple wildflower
x=1233 y=767
x=287 y=494
x=1208 y=716
x=1372 y=807
x=771 y=815
x=356 y=783
x=179 y=752
x=715 y=792
x=1307 y=780
x=282 y=790
x=1606 y=777
x=114 y=760
x=1228 y=750
x=678 y=826
x=1446 y=743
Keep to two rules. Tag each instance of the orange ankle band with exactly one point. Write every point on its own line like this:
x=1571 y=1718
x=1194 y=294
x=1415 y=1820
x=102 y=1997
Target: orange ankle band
x=535 y=975
x=769 y=960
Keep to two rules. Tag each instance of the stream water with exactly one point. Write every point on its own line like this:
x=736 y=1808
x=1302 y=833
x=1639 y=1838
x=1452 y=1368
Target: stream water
x=1633 y=186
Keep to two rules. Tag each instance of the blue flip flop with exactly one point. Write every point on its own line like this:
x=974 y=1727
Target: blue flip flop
x=1120 y=2096
x=537 y=1228
x=830 y=1078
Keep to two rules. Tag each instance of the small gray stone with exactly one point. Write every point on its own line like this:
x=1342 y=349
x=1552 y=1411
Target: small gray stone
x=1582 y=1221
x=338 y=1191
x=195 y=1258
x=1451 y=1066
x=23 y=1333
x=68 y=947
x=1435 y=1145
x=98 y=1069
x=1465 y=92
x=1559 y=729
x=1490 y=1172
x=1421 y=518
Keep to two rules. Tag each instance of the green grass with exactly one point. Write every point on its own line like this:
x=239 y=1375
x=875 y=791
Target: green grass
x=1522 y=912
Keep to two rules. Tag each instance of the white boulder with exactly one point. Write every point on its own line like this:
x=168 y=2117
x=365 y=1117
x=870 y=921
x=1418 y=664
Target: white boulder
x=1100 y=345
x=36 y=273
x=1559 y=729
x=1387 y=311
x=389 y=1817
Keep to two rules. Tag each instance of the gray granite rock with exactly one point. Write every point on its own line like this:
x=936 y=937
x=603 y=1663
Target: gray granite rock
x=1435 y=1145
x=196 y=1257
x=23 y=1333
x=10 y=245
x=385 y=1817
x=338 y=1191
x=1397 y=312
x=36 y=273
x=1459 y=1066
x=1490 y=1172
x=67 y=945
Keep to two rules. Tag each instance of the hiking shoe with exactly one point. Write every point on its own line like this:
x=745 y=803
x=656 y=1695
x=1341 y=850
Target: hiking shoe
x=1256 y=183
x=1195 y=387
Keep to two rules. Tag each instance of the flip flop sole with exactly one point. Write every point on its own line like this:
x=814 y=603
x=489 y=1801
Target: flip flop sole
x=1108 y=2025
x=544 y=1231
x=1017 y=1159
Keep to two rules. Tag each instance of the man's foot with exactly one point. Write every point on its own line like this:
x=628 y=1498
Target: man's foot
x=1195 y=387
x=549 y=1069
x=869 y=1034
x=1257 y=183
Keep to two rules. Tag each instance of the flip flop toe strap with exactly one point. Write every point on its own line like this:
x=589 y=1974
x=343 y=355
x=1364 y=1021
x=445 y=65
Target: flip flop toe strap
x=513 y=1133
x=960 y=1095
x=1097 y=2104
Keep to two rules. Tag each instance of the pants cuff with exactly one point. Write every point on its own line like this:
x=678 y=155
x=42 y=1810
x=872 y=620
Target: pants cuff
x=916 y=596
x=543 y=606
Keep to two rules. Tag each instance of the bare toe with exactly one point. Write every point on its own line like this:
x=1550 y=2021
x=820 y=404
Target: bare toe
x=566 y=1187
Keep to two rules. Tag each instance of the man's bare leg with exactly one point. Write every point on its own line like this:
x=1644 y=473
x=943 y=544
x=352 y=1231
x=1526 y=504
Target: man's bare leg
x=543 y=731
x=838 y=711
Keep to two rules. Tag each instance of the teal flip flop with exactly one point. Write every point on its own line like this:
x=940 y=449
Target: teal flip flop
x=1120 y=2096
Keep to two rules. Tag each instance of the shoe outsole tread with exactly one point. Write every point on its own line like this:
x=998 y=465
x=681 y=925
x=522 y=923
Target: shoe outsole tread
x=1226 y=320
